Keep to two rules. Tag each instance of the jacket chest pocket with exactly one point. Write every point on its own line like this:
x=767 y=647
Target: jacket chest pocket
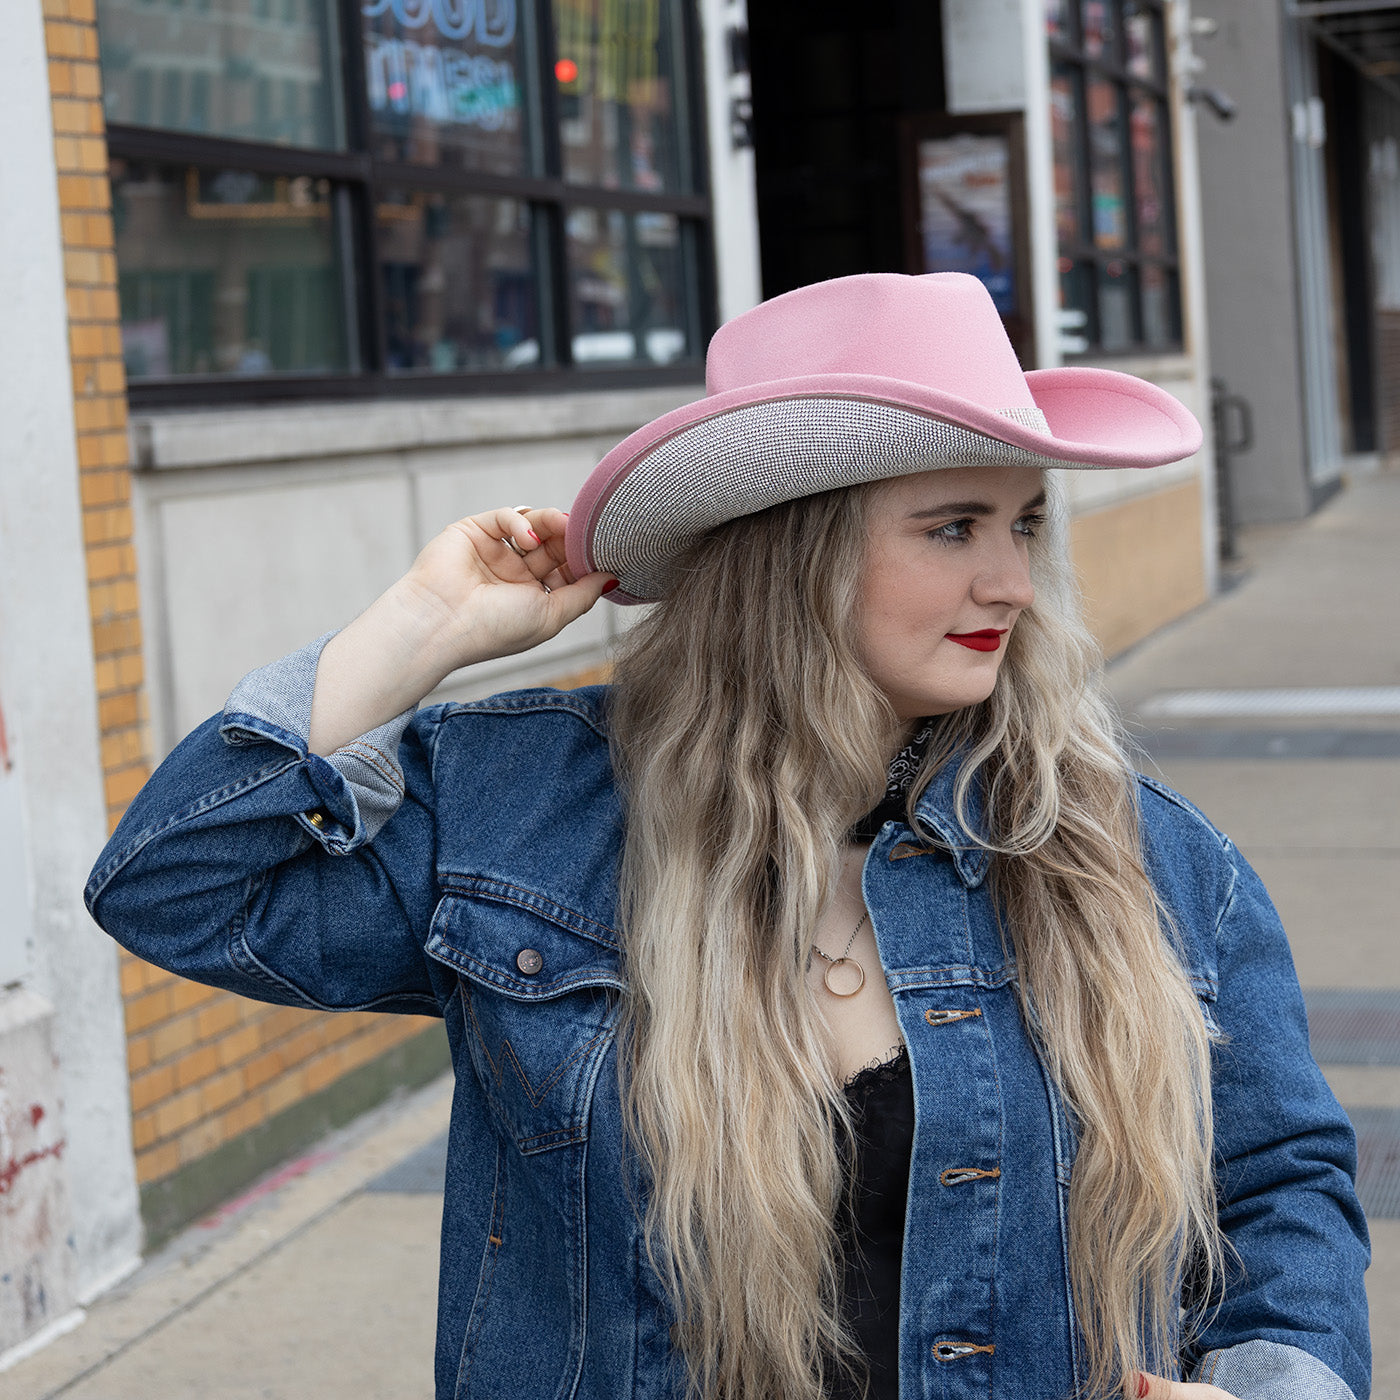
x=539 y=988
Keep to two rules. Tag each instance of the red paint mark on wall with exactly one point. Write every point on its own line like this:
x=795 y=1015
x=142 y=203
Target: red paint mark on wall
x=15 y=1165
x=36 y=1114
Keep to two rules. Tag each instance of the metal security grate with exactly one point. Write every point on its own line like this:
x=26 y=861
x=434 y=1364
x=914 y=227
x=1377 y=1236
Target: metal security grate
x=1354 y=1027
x=1276 y=704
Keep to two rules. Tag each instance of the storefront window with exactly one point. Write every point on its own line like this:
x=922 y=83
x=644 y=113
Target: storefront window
x=226 y=68
x=464 y=231
x=1115 y=210
x=617 y=93
x=447 y=82
x=458 y=282
x=1142 y=34
x=227 y=272
x=628 y=288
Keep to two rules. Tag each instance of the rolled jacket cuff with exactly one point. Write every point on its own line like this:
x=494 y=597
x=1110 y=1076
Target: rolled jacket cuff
x=1270 y=1371
x=273 y=705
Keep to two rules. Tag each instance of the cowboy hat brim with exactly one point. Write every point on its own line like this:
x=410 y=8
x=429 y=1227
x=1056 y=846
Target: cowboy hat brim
x=734 y=453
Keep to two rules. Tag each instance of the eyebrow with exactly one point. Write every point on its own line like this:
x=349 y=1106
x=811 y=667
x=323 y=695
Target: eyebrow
x=970 y=508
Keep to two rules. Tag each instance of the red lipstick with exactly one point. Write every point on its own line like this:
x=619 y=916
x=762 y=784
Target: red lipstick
x=989 y=639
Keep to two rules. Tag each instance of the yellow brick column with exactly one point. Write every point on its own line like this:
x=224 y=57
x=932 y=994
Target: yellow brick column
x=206 y=1066
x=99 y=393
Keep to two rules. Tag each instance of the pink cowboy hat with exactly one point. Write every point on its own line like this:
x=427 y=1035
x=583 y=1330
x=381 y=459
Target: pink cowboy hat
x=846 y=381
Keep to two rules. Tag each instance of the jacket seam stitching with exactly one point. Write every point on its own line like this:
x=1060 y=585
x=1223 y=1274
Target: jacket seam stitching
x=535 y=1095
x=561 y=706
x=247 y=961
x=531 y=901
x=369 y=754
x=218 y=798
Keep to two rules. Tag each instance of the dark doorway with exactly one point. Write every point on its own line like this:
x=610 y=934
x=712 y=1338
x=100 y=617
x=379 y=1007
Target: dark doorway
x=831 y=82
x=1349 y=218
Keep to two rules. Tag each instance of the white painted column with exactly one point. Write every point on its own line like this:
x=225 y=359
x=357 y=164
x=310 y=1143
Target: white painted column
x=72 y=1109
x=1040 y=186
x=1182 y=70
x=733 y=187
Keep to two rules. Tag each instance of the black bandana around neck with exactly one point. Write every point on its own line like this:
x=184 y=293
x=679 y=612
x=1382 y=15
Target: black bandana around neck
x=899 y=777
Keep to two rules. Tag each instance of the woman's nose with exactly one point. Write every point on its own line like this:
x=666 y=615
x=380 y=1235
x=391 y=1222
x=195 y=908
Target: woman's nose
x=1005 y=579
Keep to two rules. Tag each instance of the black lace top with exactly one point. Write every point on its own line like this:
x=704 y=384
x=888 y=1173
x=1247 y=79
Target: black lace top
x=882 y=1103
x=872 y=1235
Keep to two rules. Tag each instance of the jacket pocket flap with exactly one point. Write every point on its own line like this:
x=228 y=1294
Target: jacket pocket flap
x=520 y=943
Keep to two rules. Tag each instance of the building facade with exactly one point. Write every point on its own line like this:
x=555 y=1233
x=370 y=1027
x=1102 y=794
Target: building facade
x=1301 y=195
x=302 y=281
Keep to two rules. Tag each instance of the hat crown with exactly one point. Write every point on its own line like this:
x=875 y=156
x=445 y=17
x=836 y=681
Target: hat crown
x=940 y=330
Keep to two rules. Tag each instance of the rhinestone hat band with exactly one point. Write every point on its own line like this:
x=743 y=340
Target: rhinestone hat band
x=754 y=457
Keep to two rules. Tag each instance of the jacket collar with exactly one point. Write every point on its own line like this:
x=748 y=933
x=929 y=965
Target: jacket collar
x=937 y=810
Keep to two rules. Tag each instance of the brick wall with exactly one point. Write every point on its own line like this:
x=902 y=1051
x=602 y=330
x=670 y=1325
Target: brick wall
x=205 y=1066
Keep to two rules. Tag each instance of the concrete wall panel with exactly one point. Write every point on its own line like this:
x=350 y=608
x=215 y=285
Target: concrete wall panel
x=1250 y=263
x=251 y=575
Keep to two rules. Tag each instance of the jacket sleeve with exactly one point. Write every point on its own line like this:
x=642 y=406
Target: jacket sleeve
x=1293 y=1321
x=248 y=863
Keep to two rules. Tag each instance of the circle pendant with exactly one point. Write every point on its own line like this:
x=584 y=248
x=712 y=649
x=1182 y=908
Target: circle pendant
x=838 y=977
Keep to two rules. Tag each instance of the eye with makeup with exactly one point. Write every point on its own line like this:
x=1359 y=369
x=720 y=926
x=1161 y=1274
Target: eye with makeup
x=958 y=531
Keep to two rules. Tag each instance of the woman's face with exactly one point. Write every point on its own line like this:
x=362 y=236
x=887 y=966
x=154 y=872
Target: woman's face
x=947 y=575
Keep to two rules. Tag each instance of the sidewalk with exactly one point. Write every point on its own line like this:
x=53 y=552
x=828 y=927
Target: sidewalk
x=321 y=1281
x=1308 y=786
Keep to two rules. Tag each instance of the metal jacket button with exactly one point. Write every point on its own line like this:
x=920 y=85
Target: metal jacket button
x=528 y=961
x=316 y=818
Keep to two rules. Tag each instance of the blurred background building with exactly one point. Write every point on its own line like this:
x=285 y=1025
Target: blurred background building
x=290 y=284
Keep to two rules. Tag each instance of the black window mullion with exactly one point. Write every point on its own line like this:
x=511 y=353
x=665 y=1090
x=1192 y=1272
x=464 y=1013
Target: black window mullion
x=556 y=340
x=1130 y=250
x=1168 y=175
x=367 y=284
x=556 y=333
x=692 y=130
x=1087 y=222
x=548 y=52
x=702 y=283
x=180 y=148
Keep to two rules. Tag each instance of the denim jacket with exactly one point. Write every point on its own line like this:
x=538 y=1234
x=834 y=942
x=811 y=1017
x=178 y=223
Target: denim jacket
x=461 y=861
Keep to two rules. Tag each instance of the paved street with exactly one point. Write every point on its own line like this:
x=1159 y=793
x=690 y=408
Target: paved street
x=322 y=1283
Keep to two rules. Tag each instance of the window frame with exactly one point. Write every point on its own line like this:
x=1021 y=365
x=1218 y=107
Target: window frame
x=1070 y=53
x=356 y=174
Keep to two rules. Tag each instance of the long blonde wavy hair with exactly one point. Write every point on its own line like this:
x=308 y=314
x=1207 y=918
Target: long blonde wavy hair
x=747 y=737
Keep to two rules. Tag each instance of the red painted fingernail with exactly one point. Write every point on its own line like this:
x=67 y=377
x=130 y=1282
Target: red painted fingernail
x=532 y=534
x=1143 y=1387
x=610 y=585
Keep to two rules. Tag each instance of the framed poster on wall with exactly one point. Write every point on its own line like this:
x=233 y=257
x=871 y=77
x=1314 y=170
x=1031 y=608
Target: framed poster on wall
x=965 y=209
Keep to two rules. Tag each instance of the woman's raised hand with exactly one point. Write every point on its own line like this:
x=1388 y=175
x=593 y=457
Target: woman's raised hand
x=477 y=597
x=1142 y=1386
x=469 y=597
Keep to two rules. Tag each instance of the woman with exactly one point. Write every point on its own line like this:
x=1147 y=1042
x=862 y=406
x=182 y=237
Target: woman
x=830 y=1004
